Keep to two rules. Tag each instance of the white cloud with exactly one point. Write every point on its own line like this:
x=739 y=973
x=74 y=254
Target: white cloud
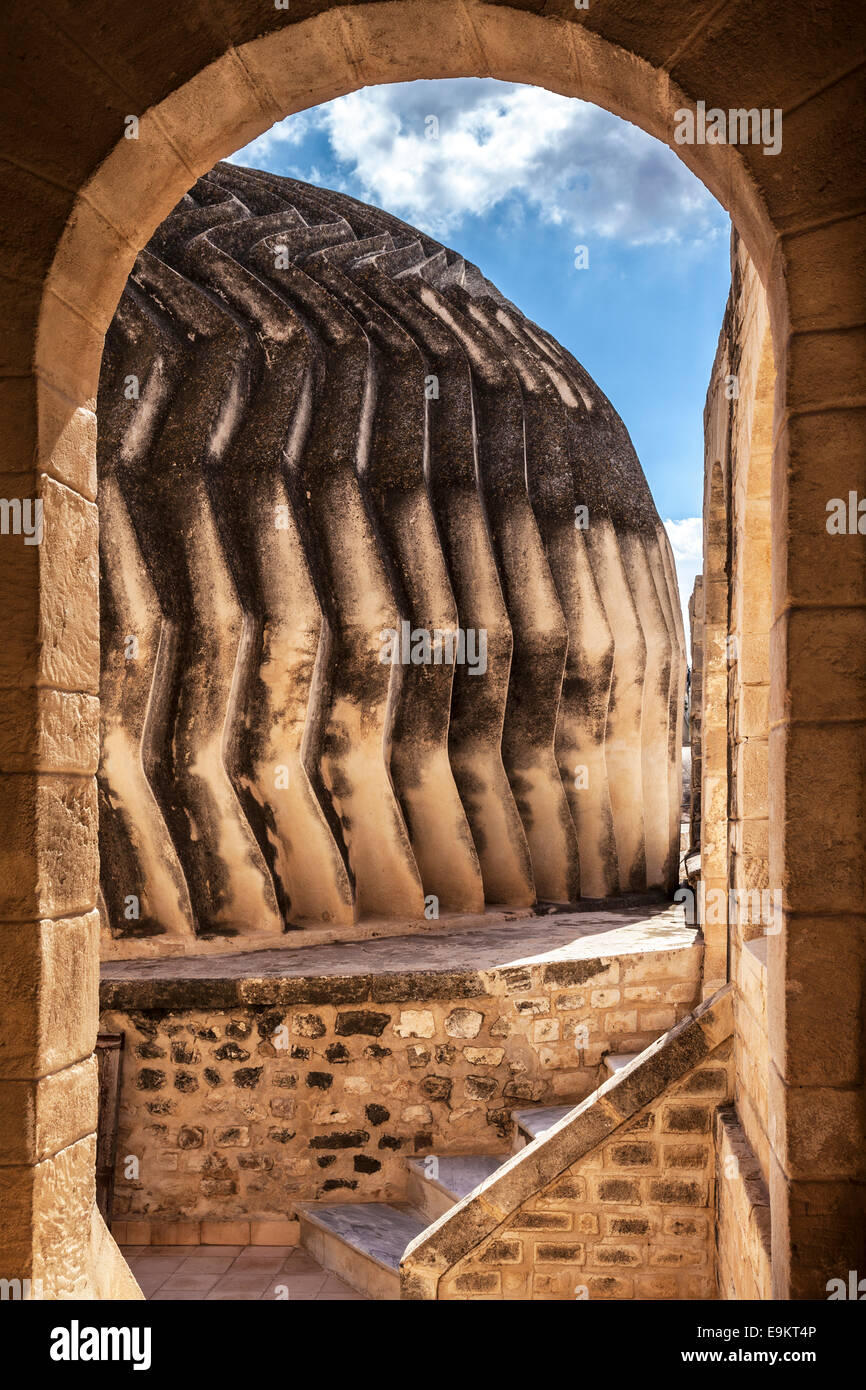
x=292 y=131
x=503 y=148
x=686 y=539
x=502 y=144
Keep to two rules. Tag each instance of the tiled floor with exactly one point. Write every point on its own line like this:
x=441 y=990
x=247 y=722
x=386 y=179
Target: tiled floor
x=222 y=1272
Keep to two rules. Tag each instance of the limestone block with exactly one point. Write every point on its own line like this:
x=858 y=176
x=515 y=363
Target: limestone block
x=48 y=1228
x=69 y=347
x=48 y=861
x=416 y=1023
x=817 y=1131
x=43 y=730
x=463 y=1023
x=41 y=965
x=42 y=1117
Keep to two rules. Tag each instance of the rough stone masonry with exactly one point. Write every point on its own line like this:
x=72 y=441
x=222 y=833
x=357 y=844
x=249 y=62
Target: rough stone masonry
x=245 y=1094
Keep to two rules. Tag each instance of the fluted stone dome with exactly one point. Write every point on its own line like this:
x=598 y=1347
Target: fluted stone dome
x=390 y=625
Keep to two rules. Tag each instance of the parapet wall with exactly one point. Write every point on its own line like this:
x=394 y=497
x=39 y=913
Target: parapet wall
x=742 y=1217
x=245 y=1092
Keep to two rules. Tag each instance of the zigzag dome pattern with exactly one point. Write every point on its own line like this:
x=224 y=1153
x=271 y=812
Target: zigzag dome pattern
x=341 y=431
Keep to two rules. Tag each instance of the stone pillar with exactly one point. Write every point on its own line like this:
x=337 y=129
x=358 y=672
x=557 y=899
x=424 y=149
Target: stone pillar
x=48 y=942
x=818 y=770
x=50 y=1230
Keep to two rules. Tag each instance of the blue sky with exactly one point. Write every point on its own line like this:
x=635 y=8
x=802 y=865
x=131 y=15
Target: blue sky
x=516 y=179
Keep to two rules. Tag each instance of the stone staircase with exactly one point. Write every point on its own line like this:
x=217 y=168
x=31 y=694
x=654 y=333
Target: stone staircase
x=610 y=1198
x=537 y=1120
x=364 y=1242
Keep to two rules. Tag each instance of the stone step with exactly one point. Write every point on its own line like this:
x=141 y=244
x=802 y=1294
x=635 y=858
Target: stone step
x=615 y=1061
x=438 y=1182
x=532 y=1122
x=362 y=1242
x=576 y=1141
x=529 y=1124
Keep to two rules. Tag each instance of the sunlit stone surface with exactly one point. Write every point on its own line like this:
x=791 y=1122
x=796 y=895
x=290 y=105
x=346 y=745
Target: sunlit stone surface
x=390 y=625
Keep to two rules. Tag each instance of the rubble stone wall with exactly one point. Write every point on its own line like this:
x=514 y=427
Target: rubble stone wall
x=239 y=1111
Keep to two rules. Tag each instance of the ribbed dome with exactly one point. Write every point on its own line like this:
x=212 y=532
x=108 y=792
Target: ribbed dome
x=388 y=615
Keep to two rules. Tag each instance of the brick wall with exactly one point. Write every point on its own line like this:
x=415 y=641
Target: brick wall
x=634 y=1219
x=742 y=1214
x=751 y=1053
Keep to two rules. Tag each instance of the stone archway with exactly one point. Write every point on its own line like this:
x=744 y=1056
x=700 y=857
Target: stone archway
x=84 y=201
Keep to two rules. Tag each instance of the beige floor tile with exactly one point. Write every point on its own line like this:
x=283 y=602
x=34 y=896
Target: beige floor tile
x=179 y=1296
x=254 y=1257
x=256 y=1282
x=152 y=1277
x=210 y=1252
x=149 y=1286
x=235 y=1297
x=302 y=1263
x=160 y=1262
x=207 y=1265
x=189 y=1283
x=306 y=1286
x=223 y=1273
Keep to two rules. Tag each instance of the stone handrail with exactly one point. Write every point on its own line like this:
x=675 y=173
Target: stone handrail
x=488 y=1212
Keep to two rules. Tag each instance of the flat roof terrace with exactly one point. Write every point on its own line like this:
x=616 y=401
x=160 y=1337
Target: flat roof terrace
x=524 y=953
